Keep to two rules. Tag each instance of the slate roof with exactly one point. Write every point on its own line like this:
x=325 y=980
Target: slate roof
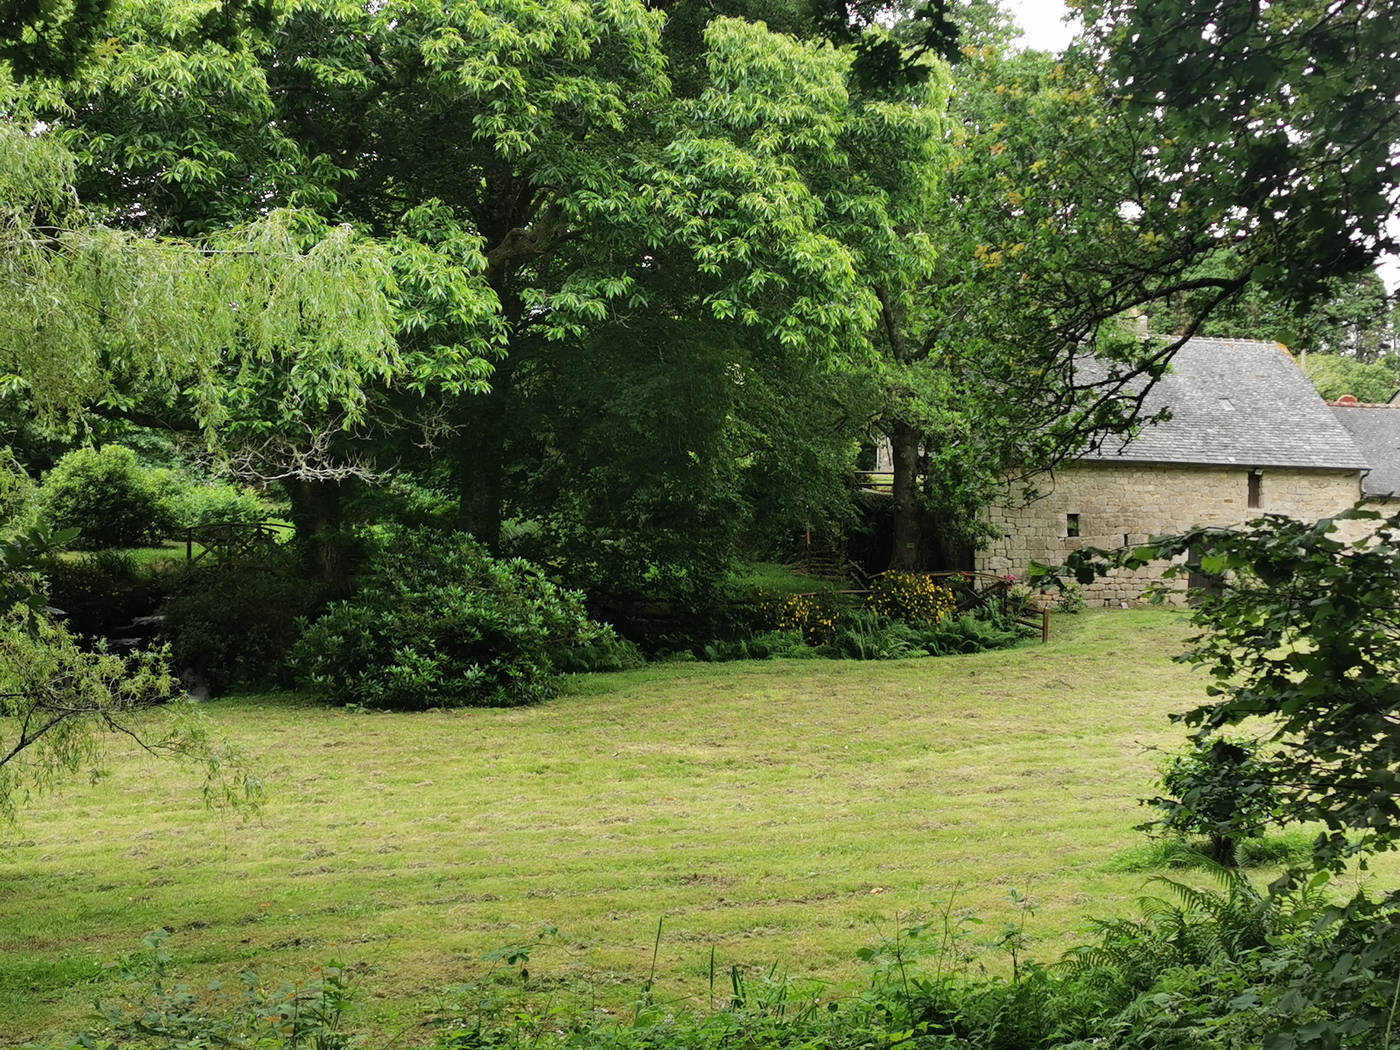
x=1376 y=431
x=1237 y=402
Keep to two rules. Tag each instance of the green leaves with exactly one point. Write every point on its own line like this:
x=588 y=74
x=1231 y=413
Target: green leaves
x=1304 y=632
x=1276 y=120
x=22 y=557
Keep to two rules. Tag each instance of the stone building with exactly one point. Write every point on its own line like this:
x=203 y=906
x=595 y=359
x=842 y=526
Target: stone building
x=1376 y=431
x=1248 y=435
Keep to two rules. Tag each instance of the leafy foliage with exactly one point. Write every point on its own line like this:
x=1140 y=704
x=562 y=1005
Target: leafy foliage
x=598 y=648
x=971 y=634
x=1300 y=168
x=1303 y=633
x=1336 y=377
x=914 y=598
x=189 y=502
x=305 y=1015
x=16 y=492
x=105 y=494
x=101 y=591
x=813 y=616
x=22 y=559
x=1351 y=317
x=56 y=698
x=909 y=615
x=1218 y=788
x=438 y=622
x=1220 y=968
x=58 y=701
x=233 y=622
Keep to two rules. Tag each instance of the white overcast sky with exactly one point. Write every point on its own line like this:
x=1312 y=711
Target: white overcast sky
x=1042 y=21
x=1044 y=29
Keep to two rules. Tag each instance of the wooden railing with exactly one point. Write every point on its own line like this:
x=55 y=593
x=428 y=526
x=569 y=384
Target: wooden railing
x=225 y=539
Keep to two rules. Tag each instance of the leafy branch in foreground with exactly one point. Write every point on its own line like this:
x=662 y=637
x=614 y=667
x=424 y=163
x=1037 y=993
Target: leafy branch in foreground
x=59 y=702
x=1302 y=632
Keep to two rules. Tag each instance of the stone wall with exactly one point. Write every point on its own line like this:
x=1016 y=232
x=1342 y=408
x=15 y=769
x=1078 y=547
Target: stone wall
x=1118 y=504
x=1351 y=531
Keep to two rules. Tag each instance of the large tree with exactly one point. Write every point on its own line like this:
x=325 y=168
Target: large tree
x=556 y=182
x=1181 y=154
x=540 y=144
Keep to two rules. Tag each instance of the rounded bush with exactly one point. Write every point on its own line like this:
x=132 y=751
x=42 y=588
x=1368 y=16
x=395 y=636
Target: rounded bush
x=438 y=622
x=107 y=495
x=912 y=597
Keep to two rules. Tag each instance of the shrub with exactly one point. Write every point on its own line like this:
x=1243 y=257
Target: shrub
x=1071 y=599
x=764 y=646
x=106 y=494
x=971 y=634
x=926 y=625
x=233 y=622
x=438 y=622
x=188 y=504
x=599 y=648
x=403 y=500
x=1218 y=788
x=912 y=597
x=1019 y=599
x=813 y=616
x=865 y=635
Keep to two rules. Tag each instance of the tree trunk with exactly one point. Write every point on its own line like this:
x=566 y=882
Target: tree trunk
x=904 y=446
x=1223 y=849
x=481 y=455
x=316 y=515
x=481 y=461
x=905 y=554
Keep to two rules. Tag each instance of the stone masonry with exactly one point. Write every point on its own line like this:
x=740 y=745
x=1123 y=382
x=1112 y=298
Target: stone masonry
x=1114 y=504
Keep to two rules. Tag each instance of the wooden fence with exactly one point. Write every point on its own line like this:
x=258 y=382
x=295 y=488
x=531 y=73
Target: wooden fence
x=224 y=539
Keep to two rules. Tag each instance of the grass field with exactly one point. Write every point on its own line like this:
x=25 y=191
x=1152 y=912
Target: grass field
x=781 y=812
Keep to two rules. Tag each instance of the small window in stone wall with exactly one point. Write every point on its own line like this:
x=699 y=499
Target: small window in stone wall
x=1071 y=524
x=1255 y=496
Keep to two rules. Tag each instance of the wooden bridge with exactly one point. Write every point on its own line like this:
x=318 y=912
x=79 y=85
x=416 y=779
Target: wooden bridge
x=233 y=539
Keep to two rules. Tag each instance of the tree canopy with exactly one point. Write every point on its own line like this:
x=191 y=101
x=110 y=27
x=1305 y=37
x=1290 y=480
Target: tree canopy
x=1279 y=120
x=506 y=244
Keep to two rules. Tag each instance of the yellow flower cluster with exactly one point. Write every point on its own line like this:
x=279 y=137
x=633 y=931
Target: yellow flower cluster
x=912 y=597
x=815 y=615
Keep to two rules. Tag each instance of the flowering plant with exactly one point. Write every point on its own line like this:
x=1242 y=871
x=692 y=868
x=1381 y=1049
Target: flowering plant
x=913 y=597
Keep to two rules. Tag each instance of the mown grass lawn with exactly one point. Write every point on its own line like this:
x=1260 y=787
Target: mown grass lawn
x=780 y=812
